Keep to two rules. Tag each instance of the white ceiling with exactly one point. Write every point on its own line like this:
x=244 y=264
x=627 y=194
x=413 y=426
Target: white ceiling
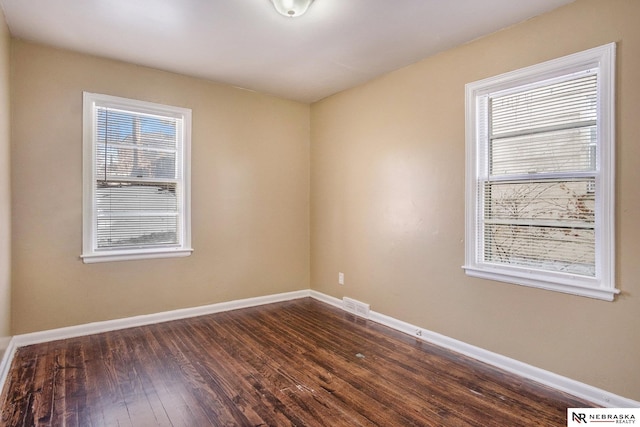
x=338 y=44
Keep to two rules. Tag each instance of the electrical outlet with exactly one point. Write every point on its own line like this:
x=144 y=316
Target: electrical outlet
x=340 y=278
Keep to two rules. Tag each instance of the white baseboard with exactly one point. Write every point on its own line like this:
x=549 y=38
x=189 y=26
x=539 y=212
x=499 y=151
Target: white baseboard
x=130 y=322
x=558 y=382
x=9 y=350
x=576 y=388
x=327 y=299
x=147 y=319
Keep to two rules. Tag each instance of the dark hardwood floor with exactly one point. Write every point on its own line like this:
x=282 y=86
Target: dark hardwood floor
x=298 y=363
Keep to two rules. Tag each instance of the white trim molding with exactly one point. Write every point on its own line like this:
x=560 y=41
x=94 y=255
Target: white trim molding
x=9 y=350
x=148 y=319
x=178 y=153
x=130 y=322
x=558 y=382
x=521 y=267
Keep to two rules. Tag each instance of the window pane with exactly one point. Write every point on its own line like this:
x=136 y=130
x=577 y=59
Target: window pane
x=137 y=231
x=567 y=150
x=133 y=215
x=115 y=162
x=567 y=250
x=560 y=104
x=135 y=197
x=134 y=145
x=567 y=201
x=541 y=224
x=126 y=127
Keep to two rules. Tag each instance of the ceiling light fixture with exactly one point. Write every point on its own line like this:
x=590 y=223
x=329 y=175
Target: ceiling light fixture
x=291 y=8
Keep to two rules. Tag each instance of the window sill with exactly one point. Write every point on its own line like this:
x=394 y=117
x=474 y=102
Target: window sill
x=568 y=284
x=135 y=255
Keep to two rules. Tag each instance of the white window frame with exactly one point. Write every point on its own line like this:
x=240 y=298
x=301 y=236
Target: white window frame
x=602 y=286
x=90 y=251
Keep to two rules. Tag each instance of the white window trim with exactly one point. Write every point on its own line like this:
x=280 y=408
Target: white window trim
x=89 y=252
x=603 y=285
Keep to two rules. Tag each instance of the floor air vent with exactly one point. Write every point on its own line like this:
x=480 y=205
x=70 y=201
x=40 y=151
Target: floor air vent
x=356 y=307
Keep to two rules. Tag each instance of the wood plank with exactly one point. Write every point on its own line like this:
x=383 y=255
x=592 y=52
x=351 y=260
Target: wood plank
x=296 y=363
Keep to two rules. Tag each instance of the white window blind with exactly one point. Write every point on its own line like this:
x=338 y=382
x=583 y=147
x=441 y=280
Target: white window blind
x=540 y=175
x=136 y=157
x=539 y=193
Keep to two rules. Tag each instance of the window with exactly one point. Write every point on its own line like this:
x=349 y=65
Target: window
x=540 y=175
x=136 y=179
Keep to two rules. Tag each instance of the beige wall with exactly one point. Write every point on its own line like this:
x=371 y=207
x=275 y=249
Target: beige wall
x=250 y=194
x=387 y=207
x=5 y=188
